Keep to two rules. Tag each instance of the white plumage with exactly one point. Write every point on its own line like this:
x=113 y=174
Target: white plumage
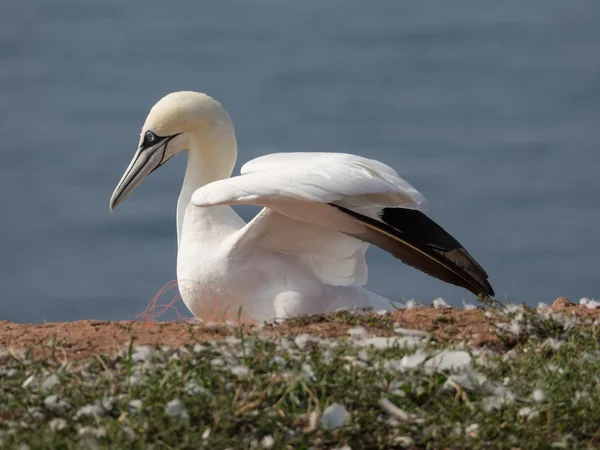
x=305 y=251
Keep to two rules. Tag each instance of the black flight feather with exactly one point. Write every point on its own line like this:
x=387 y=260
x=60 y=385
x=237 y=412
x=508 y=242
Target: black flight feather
x=418 y=241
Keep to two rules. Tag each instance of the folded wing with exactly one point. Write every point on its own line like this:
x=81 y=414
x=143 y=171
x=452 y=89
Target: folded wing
x=325 y=207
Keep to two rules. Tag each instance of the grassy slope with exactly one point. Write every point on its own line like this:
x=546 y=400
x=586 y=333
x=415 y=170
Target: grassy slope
x=267 y=392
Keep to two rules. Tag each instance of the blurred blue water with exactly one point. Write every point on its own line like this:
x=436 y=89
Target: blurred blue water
x=492 y=110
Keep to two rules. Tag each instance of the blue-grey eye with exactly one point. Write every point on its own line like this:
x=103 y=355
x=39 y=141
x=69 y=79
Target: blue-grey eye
x=149 y=138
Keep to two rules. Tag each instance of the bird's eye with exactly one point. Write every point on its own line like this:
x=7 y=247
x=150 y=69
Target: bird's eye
x=149 y=138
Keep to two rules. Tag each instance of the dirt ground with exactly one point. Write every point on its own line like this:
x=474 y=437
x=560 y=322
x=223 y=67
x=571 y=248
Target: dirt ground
x=77 y=340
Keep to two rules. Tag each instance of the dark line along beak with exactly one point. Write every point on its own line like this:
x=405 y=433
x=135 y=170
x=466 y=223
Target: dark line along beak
x=145 y=161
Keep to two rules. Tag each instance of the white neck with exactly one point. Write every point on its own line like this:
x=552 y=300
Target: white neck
x=205 y=166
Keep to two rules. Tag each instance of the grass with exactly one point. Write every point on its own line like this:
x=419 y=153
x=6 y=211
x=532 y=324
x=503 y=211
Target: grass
x=348 y=317
x=259 y=391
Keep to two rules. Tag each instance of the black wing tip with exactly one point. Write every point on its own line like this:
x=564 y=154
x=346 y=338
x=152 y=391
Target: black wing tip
x=487 y=291
x=428 y=233
x=491 y=292
x=478 y=286
x=477 y=280
x=422 y=234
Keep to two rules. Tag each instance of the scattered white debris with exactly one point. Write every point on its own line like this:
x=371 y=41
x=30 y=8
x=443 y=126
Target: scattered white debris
x=327 y=356
x=175 y=408
x=135 y=378
x=410 y=332
x=382 y=312
x=554 y=368
x=279 y=360
x=363 y=355
x=397 y=412
x=54 y=403
x=525 y=411
x=240 y=371
x=497 y=390
x=538 y=396
x=35 y=412
x=552 y=343
x=414 y=360
x=472 y=430
x=334 y=416
x=308 y=371
x=494 y=402
x=199 y=348
x=468 y=379
x=394 y=364
x=500 y=396
x=440 y=303
x=450 y=360
x=267 y=442
x=95 y=410
x=28 y=382
x=378 y=342
x=58 y=424
x=217 y=362
x=514 y=327
x=134 y=406
x=232 y=340
x=589 y=303
x=382 y=343
x=404 y=441
x=302 y=340
x=512 y=308
x=358 y=333
x=98 y=432
x=413 y=304
x=192 y=388
x=468 y=306
x=142 y=353
x=107 y=403
x=50 y=382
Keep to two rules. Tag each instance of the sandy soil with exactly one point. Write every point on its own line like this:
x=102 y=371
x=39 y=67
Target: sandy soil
x=77 y=340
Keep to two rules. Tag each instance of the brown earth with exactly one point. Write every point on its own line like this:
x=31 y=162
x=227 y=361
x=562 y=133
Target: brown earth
x=77 y=340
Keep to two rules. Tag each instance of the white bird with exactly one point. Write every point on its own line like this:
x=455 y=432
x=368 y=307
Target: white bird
x=304 y=252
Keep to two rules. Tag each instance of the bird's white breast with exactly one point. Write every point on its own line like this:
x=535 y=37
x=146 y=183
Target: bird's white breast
x=214 y=283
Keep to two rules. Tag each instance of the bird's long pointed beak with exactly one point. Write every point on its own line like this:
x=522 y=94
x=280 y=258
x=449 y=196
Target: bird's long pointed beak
x=144 y=161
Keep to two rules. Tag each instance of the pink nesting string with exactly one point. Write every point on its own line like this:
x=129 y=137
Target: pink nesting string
x=211 y=312
x=154 y=310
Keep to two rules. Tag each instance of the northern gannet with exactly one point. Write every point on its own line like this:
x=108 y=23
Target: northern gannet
x=304 y=252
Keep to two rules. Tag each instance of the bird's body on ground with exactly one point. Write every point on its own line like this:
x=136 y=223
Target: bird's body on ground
x=305 y=251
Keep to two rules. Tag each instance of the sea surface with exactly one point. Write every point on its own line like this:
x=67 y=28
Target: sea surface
x=491 y=109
